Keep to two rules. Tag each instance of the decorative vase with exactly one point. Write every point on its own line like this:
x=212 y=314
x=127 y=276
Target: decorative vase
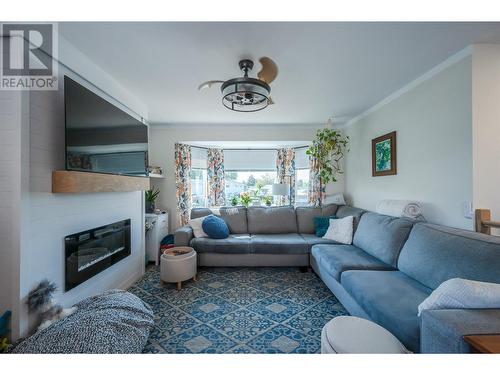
x=150 y=207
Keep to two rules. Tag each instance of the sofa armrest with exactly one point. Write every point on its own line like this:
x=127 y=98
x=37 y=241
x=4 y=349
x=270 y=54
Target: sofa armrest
x=442 y=331
x=183 y=236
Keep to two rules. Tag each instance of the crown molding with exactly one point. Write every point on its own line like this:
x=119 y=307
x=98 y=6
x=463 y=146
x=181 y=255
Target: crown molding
x=299 y=126
x=410 y=86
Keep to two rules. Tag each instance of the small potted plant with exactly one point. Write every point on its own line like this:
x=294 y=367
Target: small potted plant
x=150 y=197
x=268 y=200
x=234 y=200
x=245 y=199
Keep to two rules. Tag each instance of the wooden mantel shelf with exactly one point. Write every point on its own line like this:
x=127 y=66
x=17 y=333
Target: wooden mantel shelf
x=85 y=182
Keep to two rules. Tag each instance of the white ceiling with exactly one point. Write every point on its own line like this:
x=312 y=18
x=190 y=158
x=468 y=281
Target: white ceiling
x=326 y=69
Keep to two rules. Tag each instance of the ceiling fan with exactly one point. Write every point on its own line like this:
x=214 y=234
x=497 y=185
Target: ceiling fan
x=246 y=94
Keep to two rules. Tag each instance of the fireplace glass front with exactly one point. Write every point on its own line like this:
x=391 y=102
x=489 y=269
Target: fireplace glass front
x=92 y=251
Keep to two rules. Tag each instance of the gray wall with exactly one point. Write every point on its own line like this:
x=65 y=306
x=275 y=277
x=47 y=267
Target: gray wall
x=434 y=148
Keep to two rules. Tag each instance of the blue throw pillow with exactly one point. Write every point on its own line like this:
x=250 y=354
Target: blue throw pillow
x=321 y=224
x=215 y=227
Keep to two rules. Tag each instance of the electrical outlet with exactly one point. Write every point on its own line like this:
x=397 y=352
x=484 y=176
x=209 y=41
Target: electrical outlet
x=468 y=214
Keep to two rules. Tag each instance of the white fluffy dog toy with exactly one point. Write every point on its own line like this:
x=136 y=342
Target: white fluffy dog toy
x=40 y=301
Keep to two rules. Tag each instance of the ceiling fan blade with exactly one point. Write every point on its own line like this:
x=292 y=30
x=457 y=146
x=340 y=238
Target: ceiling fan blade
x=269 y=70
x=208 y=84
x=270 y=101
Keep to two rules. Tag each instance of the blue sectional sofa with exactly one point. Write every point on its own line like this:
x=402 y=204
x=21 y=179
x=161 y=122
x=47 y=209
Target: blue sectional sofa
x=391 y=267
x=394 y=264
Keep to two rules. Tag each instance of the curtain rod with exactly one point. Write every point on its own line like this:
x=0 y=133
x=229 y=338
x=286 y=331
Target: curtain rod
x=246 y=149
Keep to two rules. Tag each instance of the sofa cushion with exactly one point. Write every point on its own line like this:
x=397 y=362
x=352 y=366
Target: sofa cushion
x=382 y=236
x=336 y=259
x=344 y=211
x=271 y=220
x=290 y=243
x=312 y=239
x=391 y=299
x=433 y=254
x=200 y=212
x=306 y=215
x=234 y=244
x=305 y=218
x=329 y=209
x=235 y=218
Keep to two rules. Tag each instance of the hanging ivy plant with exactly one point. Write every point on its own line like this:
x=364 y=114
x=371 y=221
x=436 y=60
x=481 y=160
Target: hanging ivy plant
x=329 y=148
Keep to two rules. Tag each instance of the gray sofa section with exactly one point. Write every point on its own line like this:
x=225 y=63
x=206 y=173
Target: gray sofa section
x=281 y=236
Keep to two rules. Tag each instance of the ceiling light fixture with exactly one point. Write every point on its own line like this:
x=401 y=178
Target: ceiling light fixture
x=246 y=94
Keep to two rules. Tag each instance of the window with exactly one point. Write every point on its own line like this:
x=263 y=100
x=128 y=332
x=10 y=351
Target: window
x=199 y=187
x=258 y=184
x=251 y=171
x=302 y=187
x=301 y=177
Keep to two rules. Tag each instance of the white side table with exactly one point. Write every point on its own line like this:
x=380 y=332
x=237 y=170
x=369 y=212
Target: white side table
x=154 y=236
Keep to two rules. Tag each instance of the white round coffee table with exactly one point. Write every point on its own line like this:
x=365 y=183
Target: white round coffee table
x=350 y=334
x=178 y=264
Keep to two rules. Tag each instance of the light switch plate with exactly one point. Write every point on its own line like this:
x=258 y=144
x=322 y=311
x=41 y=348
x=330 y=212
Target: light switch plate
x=468 y=214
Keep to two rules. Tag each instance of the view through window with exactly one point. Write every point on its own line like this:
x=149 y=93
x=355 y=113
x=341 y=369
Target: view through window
x=302 y=187
x=199 y=187
x=256 y=186
x=249 y=178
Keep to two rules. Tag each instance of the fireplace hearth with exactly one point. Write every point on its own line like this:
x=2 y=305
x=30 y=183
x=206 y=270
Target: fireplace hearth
x=91 y=252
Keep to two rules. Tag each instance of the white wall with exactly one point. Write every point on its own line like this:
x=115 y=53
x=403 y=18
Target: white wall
x=10 y=195
x=46 y=218
x=486 y=128
x=434 y=147
x=164 y=137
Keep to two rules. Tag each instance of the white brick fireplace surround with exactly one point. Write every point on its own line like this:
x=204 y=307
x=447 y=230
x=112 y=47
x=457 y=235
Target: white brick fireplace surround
x=34 y=221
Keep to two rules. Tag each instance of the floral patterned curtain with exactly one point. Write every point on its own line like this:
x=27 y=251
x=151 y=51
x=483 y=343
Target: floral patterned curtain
x=316 y=185
x=285 y=168
x=183 y=181
x=215 y=175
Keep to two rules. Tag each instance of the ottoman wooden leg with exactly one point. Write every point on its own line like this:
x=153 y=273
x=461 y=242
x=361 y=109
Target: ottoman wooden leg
x=179 y=285
x=195 y=278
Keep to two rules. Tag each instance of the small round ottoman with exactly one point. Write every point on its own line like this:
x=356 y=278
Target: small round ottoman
x=350 y=334
x=178 y=264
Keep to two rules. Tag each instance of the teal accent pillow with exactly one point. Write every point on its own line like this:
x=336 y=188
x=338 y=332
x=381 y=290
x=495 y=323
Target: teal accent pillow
x=215 y=227
x=321 y=224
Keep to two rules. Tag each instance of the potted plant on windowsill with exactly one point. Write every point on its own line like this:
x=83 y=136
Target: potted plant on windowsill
x=268 y=200
x=245 y=199
x=234 y=201
x=150 y=197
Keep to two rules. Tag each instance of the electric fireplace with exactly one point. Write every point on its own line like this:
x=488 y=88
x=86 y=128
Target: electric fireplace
x=92 y=251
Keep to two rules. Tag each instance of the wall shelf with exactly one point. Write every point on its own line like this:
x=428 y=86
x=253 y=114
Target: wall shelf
x=84 y=182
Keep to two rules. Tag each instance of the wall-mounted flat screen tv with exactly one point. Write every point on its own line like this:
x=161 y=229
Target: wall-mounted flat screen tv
x=100 y=137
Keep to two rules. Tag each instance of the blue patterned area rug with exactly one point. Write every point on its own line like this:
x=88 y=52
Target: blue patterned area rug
x=238 y=310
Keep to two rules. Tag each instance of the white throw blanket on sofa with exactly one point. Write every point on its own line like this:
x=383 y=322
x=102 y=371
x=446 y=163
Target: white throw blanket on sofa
x=462 y=294
x=399 y=208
